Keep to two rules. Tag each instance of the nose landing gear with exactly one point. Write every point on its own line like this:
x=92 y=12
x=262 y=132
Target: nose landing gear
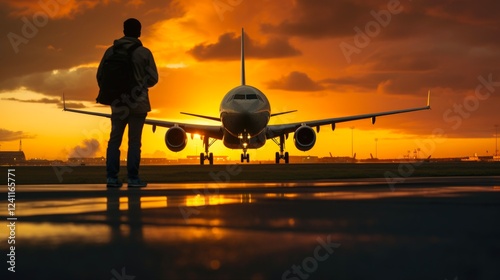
x=244 y=138
x=245 y=156
x=281 y=154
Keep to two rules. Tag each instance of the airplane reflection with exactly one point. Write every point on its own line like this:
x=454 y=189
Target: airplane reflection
x=125 y=210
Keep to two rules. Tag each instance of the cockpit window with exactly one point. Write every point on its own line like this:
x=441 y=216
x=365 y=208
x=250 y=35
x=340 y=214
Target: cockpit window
x=251 y=96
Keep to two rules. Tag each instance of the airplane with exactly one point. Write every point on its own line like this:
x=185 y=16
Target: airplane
x=244 y=123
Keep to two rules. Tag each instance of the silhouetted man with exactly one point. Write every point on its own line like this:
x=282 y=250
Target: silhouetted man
x=131 y=111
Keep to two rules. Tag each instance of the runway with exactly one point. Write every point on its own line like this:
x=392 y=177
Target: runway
x=416 y=228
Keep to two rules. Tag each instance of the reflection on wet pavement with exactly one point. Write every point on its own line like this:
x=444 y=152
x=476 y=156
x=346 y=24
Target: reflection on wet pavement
x=425 y=229
x=195 y=197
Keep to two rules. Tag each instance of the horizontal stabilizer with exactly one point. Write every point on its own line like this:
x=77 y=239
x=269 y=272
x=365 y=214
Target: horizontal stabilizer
x=282 y=113
x=201 y=116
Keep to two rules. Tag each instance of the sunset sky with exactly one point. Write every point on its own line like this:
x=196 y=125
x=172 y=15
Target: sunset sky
x=322 y=58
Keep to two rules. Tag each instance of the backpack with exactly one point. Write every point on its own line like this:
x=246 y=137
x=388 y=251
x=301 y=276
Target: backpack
x=117 y=77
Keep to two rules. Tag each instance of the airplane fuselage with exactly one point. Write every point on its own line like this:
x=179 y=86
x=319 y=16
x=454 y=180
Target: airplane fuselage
x=244 y=113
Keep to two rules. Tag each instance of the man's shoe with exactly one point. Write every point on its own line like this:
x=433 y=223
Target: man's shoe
x=136 y=183
x=113 y=183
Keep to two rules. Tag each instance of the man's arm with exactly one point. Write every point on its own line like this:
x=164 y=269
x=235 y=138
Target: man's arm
x=152 y=72
x=145 y=67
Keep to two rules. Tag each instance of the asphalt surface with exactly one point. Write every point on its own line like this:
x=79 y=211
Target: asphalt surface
x=415 y=228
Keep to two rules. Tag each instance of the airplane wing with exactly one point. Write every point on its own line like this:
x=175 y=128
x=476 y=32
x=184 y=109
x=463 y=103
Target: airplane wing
x=281 y=129
x=212 y=131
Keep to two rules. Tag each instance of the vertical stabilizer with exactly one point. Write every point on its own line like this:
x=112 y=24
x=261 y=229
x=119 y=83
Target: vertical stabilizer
x=242 y=57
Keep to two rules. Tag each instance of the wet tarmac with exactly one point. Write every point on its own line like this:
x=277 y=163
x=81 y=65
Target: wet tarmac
x=417 y=228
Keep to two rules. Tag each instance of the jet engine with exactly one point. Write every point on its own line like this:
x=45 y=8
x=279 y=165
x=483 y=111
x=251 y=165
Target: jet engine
x=304 y=138
x=176 y=139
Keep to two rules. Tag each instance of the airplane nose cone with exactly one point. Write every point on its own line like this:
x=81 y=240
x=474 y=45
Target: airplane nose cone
x=241 y=122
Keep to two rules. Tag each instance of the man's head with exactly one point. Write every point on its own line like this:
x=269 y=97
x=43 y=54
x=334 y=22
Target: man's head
x=132 y=28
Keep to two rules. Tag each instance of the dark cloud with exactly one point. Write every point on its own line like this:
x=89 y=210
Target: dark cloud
x=229 y=44
x=65 y=42
x=482 y=13
x=337 y=19
x=319 y=19
x=8 y=135
x=58 y=102
x=52 y=9
x=295 y=81
x=400 y=83
x=406 y=68
x=413 y=61
x=440 y=45
x=73 y=105
x=42 y=100
x=78 y=84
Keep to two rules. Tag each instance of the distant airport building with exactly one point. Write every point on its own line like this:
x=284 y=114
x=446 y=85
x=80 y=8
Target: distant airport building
x=156 y=161
x=41 y=162
x=12 y=158
x=86 y=161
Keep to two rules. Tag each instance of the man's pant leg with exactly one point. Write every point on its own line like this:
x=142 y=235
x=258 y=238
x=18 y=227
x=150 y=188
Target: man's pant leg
x=135 y=125
x=115 y=140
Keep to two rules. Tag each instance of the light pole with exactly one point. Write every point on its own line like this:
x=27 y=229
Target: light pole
x=496 y=139
x=352 y=141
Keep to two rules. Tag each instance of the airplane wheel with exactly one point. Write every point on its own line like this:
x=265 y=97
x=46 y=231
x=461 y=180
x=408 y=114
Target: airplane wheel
x=211 y=158
x=277 y=158
x=202 y=158
x=248 y=158
x=287 y=157
x=242 y=158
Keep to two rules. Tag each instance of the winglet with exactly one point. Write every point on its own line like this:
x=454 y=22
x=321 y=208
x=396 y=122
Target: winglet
x=242 y=57
x=429 y=99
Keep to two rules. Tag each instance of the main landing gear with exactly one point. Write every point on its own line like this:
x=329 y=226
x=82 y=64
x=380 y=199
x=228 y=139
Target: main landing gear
x=281 y=154
x=208 y=156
